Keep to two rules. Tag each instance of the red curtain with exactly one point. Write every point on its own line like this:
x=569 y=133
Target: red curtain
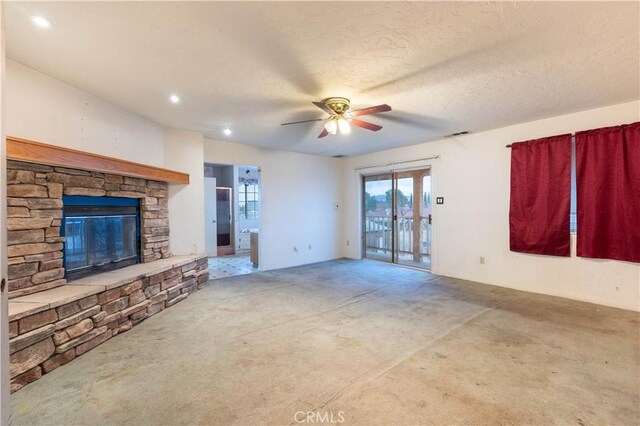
x=608 y=192
x=541 y=196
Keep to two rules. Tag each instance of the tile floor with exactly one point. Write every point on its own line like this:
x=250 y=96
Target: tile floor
x=228 y=266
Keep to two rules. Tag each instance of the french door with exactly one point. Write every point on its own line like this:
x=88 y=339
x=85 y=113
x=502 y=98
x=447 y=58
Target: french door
x=397 y=217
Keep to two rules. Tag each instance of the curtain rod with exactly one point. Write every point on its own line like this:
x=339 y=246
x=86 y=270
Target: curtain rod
x=573 y=135
x=393 y=163
x=510 y=145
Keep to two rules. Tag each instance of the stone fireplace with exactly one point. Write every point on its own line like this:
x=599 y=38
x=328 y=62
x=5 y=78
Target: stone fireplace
x=88 y=254
x=35 y=198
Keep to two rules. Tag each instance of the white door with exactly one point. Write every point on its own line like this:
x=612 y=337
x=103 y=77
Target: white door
x=210 y=217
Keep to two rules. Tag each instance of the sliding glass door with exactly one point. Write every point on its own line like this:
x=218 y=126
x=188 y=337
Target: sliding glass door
x=378 y=218
x=412 y=218
x=397 y=217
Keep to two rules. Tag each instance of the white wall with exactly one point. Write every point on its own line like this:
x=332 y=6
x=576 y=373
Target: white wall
x=46 y=110
x=297 y=194
x=473 y=176
x=183 y=150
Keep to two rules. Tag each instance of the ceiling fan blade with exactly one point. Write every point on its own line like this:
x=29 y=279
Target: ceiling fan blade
x=302 y=121
x=323 y=133
x=324 y=107
x=365 y=124
x=371 y=110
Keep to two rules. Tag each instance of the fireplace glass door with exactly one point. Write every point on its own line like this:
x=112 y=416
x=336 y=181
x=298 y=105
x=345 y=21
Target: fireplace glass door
x=102 y=234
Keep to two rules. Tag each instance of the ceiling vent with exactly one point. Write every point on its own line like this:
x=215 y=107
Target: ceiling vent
x=465 y=132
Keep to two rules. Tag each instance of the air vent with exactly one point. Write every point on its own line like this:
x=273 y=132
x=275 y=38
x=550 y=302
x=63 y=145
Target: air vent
x=465 y=132
x=339 y=156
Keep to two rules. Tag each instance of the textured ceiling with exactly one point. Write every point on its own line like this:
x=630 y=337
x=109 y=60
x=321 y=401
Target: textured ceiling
x=444 y=67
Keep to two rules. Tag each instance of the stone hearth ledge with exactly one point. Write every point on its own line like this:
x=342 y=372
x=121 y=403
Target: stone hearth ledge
x=23 y=306
x=51 y=328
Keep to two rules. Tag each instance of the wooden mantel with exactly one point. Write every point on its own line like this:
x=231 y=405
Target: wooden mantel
x=37 y=152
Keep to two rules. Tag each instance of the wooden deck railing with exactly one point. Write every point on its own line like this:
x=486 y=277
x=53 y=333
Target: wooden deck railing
x=378 y=234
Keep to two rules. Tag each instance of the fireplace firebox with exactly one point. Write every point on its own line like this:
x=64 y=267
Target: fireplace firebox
x=102 y=234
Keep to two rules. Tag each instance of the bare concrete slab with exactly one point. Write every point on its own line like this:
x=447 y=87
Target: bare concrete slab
x=359 y=340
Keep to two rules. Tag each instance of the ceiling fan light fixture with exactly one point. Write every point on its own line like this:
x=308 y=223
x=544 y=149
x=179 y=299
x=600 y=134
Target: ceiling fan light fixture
x=341 y=118
x=331 y=126
x=344 y=126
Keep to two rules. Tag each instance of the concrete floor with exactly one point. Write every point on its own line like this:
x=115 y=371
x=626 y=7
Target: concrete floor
x=360 y=340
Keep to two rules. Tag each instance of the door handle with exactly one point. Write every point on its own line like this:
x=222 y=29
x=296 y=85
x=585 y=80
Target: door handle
x=429 y=219
x=213 y=221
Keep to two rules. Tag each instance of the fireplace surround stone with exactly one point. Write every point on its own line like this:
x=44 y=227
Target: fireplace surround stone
x=34 y=210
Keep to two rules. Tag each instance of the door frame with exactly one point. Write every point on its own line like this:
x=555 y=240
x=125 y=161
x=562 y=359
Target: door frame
x=419 y=165
x=261 y=209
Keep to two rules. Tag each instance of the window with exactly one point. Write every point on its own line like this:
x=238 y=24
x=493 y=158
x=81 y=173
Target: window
x=248 y=201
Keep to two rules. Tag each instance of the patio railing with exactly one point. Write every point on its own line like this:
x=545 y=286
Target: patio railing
x=378 y=234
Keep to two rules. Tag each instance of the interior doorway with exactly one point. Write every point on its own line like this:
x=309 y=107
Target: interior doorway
x=219 y=217
x=397 y=217
x=232 y=219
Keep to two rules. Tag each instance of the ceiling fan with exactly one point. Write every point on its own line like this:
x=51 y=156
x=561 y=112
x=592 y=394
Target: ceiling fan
x=341 y=119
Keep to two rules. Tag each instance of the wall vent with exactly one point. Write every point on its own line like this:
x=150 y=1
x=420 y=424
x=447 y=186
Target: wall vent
x=464 y=132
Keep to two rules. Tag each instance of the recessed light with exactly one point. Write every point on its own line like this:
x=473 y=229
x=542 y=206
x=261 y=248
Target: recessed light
x=174 y=99
x=227 y=131
x=40 y=21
